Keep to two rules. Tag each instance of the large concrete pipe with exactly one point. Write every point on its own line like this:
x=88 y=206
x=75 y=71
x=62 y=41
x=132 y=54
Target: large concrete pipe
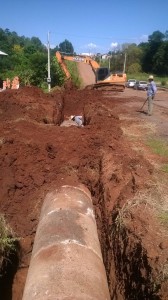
x=66 y=261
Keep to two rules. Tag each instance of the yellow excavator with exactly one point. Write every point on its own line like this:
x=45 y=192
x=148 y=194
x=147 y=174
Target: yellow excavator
x=104 y=80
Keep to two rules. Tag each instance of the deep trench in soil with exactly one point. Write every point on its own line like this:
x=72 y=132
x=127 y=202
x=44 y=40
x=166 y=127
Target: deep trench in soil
x=129 y=273
x=98 y=157
x=126 y=262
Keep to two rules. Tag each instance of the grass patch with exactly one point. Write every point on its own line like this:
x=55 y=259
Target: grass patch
x=73 y=69
x=154 y=199
x=165 y=168
x=163 y=217
x=7 y=240
x=159 y=147
x=160 y=81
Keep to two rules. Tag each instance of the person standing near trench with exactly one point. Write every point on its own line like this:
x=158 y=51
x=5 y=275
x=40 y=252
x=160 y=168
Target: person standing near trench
x=151 y=92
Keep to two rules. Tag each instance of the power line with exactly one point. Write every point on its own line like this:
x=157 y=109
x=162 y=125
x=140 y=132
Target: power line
x=97 y=37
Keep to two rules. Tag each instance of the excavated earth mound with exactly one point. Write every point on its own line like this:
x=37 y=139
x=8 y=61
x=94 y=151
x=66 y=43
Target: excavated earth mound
x=38 y=155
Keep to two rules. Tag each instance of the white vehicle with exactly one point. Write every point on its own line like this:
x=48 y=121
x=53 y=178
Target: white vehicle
x=141 y=85
x=130 y=83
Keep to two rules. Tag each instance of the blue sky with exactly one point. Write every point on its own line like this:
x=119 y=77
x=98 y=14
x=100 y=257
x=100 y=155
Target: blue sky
x=91 y=26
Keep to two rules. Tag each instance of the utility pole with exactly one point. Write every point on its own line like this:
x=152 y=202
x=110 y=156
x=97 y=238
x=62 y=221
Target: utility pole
x=49 y=76
x=109 y=63
x=125 y=58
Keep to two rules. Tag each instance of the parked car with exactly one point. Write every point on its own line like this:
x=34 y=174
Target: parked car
x=130 y=83
x=141 y=85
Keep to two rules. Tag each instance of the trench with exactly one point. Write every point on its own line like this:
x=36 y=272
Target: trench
x=9 y=269
x=128 y=272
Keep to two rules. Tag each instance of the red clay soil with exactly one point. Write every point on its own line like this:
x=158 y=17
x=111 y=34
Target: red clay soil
x=37 y=156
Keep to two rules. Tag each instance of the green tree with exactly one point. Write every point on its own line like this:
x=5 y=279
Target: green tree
x=134 y=68
x=117 y=61
x=166 y=35
x=161 y=60
x=133 y=56
x=155 y=41
x=26 y=76
x=29 y=50
x=37 y=44
x=57 y=74
x=38 y=65
x=156 y=37
x=66 y=47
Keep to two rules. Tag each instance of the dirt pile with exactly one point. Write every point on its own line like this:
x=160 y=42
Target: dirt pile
x=37 y=155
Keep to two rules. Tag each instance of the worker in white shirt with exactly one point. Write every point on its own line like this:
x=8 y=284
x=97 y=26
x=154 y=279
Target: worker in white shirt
x=78 y=120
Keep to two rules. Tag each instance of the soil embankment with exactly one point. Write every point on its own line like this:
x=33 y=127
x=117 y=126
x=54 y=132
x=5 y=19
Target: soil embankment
x=38 y=155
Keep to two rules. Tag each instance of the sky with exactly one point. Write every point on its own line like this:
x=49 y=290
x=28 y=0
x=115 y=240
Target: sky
x=91 y=26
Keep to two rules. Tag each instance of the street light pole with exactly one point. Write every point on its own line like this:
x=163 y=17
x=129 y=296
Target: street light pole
x=49 y=76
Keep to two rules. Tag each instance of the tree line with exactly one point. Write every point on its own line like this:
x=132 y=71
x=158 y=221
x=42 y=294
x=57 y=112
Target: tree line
x=28 y=58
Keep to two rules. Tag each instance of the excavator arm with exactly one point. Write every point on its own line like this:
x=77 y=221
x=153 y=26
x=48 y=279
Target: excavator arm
x=78 y=58
x=103 y=78
x=63 y=65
